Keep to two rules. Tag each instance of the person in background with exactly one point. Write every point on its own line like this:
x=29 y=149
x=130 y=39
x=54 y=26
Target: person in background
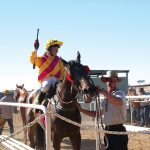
x=51 y=68
x=145 y=108
x=114 y=109
x=135 y=107
x=7 y=111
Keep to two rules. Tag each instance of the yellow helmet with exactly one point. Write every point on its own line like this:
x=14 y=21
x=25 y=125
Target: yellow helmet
x=53 y=42
x=6 y=92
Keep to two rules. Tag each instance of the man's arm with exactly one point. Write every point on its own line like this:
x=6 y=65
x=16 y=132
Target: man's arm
x=113 y=99
x=86 y=112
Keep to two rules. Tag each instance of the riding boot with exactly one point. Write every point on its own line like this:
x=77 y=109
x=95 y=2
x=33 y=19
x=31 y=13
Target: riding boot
x=41 y=97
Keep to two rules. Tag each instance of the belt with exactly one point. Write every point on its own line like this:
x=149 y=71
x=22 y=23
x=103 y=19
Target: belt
x=113 y=126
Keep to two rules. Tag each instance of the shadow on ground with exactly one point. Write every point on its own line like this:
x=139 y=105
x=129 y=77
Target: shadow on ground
x=86 y=144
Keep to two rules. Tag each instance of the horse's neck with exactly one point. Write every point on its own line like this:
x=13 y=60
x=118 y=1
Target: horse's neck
x=66 y=85
x=68 y=88
x=66 y=91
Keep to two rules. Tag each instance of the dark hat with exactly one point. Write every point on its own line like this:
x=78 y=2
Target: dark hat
x=110 y=74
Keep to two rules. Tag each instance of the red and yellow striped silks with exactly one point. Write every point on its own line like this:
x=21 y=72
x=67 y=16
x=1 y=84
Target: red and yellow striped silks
x=49 y=66
x=47 y=71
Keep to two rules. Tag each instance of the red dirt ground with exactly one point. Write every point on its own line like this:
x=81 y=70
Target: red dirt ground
x=136 y=142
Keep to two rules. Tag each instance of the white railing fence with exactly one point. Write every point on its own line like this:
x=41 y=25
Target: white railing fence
x=47 y=118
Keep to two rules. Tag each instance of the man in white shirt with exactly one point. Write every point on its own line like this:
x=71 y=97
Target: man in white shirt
x=114 y=111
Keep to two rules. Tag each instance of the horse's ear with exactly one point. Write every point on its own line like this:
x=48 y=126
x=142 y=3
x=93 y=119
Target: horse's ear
x=16 y=85
x=64 y=62
x=78 y=57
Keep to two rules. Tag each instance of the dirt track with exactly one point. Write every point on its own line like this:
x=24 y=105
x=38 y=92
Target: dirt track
x=136 y=142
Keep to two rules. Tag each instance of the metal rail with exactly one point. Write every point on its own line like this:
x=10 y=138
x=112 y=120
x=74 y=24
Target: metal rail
x=47 y=118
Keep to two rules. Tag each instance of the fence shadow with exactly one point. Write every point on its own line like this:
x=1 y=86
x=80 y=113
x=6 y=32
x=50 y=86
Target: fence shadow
x=86 y=144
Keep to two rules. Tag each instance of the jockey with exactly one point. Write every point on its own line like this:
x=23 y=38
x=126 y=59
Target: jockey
x=51 y=68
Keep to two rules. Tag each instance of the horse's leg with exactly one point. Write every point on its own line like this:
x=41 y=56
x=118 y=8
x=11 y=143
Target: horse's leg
x=23 y=117
x=31 y=130
x=56 y=141
x=31 y=133
x=76 y=141
x=39 y=138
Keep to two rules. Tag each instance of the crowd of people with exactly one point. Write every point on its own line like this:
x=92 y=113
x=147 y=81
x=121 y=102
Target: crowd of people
x=140 y=108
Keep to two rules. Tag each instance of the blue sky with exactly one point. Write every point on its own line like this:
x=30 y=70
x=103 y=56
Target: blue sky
x=110 y=34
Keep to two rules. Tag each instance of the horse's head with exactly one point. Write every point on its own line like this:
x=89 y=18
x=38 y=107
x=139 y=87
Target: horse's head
x=20 y=91
x=17 y=93
x=79 y=75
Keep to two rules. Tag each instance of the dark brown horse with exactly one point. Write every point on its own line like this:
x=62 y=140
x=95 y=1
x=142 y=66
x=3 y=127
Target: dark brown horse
x=76 y=81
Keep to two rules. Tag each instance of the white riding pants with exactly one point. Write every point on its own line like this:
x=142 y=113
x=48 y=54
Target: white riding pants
x=47 y=83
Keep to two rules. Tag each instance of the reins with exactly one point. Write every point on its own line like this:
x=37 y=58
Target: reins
x=98 y=121
x=98 y=143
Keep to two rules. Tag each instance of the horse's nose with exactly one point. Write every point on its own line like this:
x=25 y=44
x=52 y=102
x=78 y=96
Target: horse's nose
x=90 y=90
x=85 y=91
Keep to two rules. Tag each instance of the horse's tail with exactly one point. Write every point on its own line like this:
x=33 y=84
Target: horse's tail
x=40 y=138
